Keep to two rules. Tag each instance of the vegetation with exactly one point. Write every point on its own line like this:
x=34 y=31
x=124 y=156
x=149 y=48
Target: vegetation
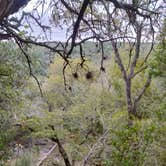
x=80 y=119
x=97 y=99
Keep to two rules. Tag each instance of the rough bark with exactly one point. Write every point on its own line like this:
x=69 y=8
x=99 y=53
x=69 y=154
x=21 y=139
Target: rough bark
x=128 y=96
x=62 y=151
x=140 y=94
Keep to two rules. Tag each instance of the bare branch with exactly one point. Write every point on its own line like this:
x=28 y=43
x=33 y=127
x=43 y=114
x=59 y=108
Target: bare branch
x=29 y=65
x=137 y=51
x=46 y=155
x=96 y=147
x=4 y=36
x=131 y=7
x=139 y=71
x=77 y=24
x=118 y=60
x=140 y=94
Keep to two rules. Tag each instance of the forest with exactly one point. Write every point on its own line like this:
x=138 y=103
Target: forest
x=94 y=97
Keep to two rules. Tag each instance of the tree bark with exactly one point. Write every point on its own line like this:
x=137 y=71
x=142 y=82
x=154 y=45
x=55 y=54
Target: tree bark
x=62 y=151
x=140 y=94
x=128 y=96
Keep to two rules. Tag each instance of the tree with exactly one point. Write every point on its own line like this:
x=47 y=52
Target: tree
x=13 y=75
x=125 y=25
x=101 y=21
x=118 y=22
x=159 y=64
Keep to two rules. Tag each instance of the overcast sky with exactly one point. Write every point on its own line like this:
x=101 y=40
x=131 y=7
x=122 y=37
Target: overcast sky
x=30 y=5
x=57 y=34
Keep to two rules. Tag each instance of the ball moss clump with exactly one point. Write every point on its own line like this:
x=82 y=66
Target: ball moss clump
x=75 y=75
x=89 y=75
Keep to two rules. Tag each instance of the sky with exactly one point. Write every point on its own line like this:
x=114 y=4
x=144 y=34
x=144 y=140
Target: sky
x=57 y=34
x=30 y=5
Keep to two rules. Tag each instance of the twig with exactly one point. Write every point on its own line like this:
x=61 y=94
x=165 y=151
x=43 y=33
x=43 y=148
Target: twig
x=29 y=65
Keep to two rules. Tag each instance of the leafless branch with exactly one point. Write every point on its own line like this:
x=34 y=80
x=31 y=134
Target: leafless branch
x=76 y=26
x=141 y=92
x=139 y=71
x=96 y=147
x=29 y=65
x=137 y=51
x=119 y=60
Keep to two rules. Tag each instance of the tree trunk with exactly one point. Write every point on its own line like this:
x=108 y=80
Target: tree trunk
x=128 y=96
x=62 y=151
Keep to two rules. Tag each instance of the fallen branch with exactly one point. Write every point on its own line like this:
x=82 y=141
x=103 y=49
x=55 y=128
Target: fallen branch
x=96 y=147
x=46 y=155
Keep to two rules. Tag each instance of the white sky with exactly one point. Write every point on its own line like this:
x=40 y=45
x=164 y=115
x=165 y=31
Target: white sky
x=57 y=33
x=30 y=5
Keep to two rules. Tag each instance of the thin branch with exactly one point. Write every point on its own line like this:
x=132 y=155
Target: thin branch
x=141 y=92
x=96 y=147
x=46 y=155
x=77 y=24
x=152 y=43
x=118 y=60
x=137 y=52
x=4 y=36
x=139 y=71
x=29 y=65
x=131 y=7
x=102 y=57
x=82 y=57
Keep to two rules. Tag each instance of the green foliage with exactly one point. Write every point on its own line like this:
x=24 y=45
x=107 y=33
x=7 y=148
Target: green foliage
x=40 y=60
x=129 y=144
x=158 y=66
x=81 y=116
x=25 y=160
x=12 y=75
x=4 y=136
x=9 y=81
x=13 y=78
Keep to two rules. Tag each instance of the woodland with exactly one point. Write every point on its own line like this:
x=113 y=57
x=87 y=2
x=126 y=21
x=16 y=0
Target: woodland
x=97 y=97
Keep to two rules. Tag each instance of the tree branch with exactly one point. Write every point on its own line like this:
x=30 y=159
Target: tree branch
x=137 y=52
x=60 y=147
x=141 y=92
x=77 y=24
x=97 y=146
